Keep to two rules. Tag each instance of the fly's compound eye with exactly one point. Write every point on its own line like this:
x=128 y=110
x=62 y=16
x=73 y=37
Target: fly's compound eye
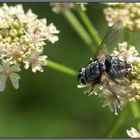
x=81 y=72
x=79 y=76
x=83 y=81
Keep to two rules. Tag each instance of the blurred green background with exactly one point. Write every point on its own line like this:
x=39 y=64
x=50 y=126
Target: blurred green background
x=49 y=104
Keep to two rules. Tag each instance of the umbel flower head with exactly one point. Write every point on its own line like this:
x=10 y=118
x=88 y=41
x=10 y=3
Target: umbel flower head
x=64 y=7
x=22 y=40
x=129 y=12
x=128 y=88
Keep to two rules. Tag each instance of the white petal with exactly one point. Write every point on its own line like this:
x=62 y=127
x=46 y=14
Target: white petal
x=2 y=82
x=42 y=60
x=53 y=28
x=83 y=86
x=5 y=64
x=34 y=69
x=133 y=133
x=53 y=38
x=37 y=68
x=15 y=80
x=16 y=68
x=43 y=57
x=80 y=86
x=26 y=66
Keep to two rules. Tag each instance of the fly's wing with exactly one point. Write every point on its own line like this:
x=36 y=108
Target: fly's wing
x=110 y=40
x=117 y=88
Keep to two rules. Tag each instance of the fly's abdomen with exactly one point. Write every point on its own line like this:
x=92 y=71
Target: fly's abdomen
x=116 y=67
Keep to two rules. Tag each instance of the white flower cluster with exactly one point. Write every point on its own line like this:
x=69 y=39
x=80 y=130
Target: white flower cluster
x=64 y=7
x=129 y=12
x=22 y=38
x=133 y=133
x=128 y=88
x=131 y=55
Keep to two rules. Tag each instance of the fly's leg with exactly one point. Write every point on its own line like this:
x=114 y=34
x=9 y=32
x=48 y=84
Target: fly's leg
x=90 y=91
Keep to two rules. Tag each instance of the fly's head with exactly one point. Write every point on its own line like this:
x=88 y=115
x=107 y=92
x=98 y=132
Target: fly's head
x=81 y=76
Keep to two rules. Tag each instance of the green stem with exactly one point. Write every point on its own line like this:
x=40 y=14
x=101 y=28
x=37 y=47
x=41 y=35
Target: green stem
x=117 y=122
x=74 y=22
x=61 y=68
x=136 y=113
x=89 y=26
x=135 y=110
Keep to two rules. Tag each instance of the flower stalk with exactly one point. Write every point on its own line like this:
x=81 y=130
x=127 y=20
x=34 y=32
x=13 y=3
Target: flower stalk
x=71 y=18
x=117 y=122
x=91 y=29
x=60 y=68
x=136 y=113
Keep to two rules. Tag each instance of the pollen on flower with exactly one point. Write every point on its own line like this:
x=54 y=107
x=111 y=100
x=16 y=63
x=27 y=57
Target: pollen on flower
x=129 y=12
x=22 y=39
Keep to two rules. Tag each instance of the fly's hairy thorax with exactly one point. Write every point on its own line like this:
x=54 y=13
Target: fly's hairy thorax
x=94 y=71
x=113 y=66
